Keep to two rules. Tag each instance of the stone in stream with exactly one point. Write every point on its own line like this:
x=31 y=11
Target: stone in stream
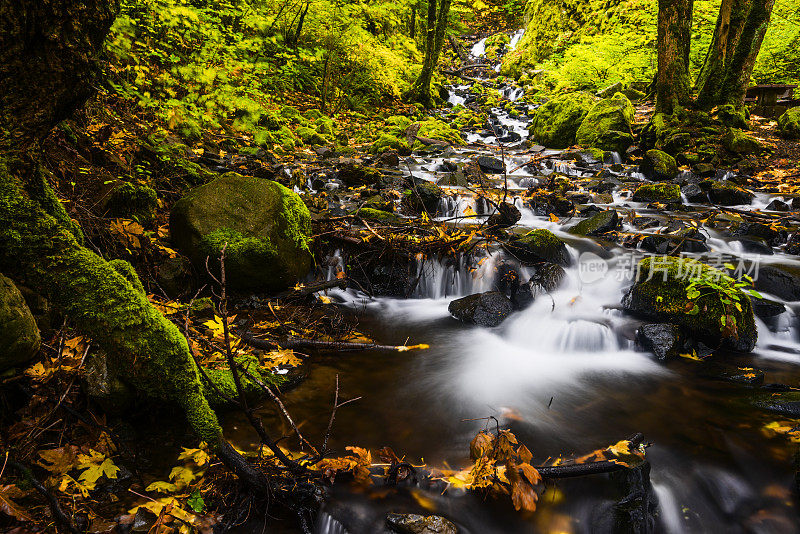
x=726 y=193
x=694 y=193
x=778 y=205
x=483 y=309
x=538 y=246
x=658 y=166
x=417 y=524
x=491 y=165
x=661 y=293
x=759 y=230
x=555 y=123
x=547 y=276
x=755 y=245
x=423 y=196
x=20 y=339
x=608 y=125
x=353 y=174
x=785 y=403
x=663 y=193
x=746 y=376
x=684 y=239
x=266 y=228
x=601 y=223
x=664 y=340
x=781 y=280
x=793 y=244
x=506 y=216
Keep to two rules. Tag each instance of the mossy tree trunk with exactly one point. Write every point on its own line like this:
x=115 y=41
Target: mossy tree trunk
x=435 y=30
x=740 y=29
x=48 y=68
x=673 y=86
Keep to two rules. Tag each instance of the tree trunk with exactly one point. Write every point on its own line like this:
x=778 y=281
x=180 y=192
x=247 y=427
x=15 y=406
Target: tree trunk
x=673 y=88
x=436 y=27
x=48 y=68
x=740 y=30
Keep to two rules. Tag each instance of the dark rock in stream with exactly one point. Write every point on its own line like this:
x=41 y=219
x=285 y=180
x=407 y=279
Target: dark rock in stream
x=737 y=375
x=423 y=196
x=785 y=403
x=759 y=230
x=506 y=216
x=755 y=245
x=547 y=277
x=793 y=245
x=417 y=524
x=601 y=223
x=482 y=309
x=683 y=239
x=664 y=340
x=636 y=512
x=726 y=193
x=658 y=166
x=491 y=165
x=539 y=246
x=778 y=205
x=783 y=281
x=694 y=193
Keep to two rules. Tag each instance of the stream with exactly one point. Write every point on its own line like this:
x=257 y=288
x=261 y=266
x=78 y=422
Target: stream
x=563 y=374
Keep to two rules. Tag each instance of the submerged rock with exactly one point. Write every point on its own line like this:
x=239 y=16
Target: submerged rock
x=600 y=223
x=417 y=524
x=789 y=123
x=482 y=309
x=608 y=125
x=19 y=341
x=557 y=121
x=662 y=339
x=540 y=245
x=266 y=228
x=662 y=293
x=658 y=166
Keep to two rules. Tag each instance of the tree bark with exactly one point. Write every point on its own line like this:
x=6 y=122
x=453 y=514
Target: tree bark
x=740 y=29
x=673 y=88
x=436 y=28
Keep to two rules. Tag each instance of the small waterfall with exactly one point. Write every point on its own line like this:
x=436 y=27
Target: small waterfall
x=671 y=516
x=453 y=278
x=479 y=48
x=454 y=206
x=515 y=39
x=326 y=524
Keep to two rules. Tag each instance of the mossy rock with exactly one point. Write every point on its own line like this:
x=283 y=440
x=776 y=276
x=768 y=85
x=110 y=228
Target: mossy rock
x=658 y=166
x=439 y=130
x=597 y=224
x=423 y=196
x=555 y=123
x=664 y=193
x=354 y=175
x=292 y=115
x=726 y=193
x=663 y=297
x=390 y=142
x=313 y=115
x=789 y=123
x=733 y=117
x=19 y=336
x=372 y=214
x=377 y=202
x=735 y=140
x=608 y=125
x=132 y=201
x=538 y=246
x=310 y=136
x=266 y=227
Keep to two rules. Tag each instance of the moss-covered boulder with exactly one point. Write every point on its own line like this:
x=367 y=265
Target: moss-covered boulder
x=734 y=117
x=354 y=175
x=608 y=125
x=19 y=336
x=423 y=196
x=664 y=193
x=310 y=136
x=387 y=142
x=266 y=227
x=735 y=140
x=597 y=224
x=789 y=123
x=700 y=299
x=538 y=246
x=132 y=201
x=726 y=193
x=555 y=123
x=372 y=214
x=658 y=166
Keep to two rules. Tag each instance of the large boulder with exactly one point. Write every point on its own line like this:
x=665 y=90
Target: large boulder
x=539 y=246
x=700 y=299
x=266 y=227
x=789 y=123
x=726 y=193
x=19 y=336
x=483 y=309
x=739 y=142
x=781 y=280
x=557 y=121
x=664 y=193
x=662 y=339
x=658 y=166
x=608 y=125
x=597 y=224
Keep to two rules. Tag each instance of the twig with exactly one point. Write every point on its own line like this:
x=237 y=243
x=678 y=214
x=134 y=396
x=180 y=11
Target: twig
x=59 y=515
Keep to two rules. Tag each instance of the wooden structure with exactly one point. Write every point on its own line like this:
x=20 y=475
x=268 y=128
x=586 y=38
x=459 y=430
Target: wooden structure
x=770 y=94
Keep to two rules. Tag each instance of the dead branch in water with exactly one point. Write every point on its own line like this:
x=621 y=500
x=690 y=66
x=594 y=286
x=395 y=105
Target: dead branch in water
x=295 y=343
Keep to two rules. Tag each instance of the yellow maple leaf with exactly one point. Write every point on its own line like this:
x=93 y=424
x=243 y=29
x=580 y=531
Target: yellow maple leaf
x=283 y=357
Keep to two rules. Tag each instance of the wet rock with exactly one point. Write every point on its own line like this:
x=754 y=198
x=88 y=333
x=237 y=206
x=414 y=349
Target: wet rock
x=19 y=340
x=601 y=223
x=608 y=125
x=540 y=245
x=265 y=225
x=658 y=166
x=663 y=298
x=554 y=203
x=759 y=230
x=789 y=123
x=726 y=193
x=372 y=214
x=663 y=193
x=765 y=308
x=106 y=387
x=704 y=169
x=739 y=142
x=353 y=174
x=694 y=193
x=793 y=244
x=746 y=376
x=423 y=196
x=491 y=165
x=378 y=202
x=482 y=309
x=677 y=142
x=755 y=245
x=780 y=280
x=556 y=122
x=646 y=222
x=389 y=158
x=506 y=216
x=662 y=339
x=785 y=403
x=417 y=524
x=778 y=205
x=547 y=276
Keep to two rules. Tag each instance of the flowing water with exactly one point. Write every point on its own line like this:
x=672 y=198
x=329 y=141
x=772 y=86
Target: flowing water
x=563 y=375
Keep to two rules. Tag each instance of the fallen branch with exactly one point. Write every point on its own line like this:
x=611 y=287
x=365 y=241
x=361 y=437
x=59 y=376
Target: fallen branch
x=58 y=514
x=340 y=283
x=341 y=346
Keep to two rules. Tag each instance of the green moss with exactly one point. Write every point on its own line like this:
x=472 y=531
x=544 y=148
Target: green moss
x=660 y=293
x=540 y=245
x=556 y=122
x=608 y=125
x=735 y=140
x=372 y=214
x=436 y=129
x=126 y=269
x=132 y=201
x=658 y=165
x=664 y=193
x=310 y=136
x=423 y=196
x=224 y=388
x=733 y=117
x=789 y=123
x=390 y=142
